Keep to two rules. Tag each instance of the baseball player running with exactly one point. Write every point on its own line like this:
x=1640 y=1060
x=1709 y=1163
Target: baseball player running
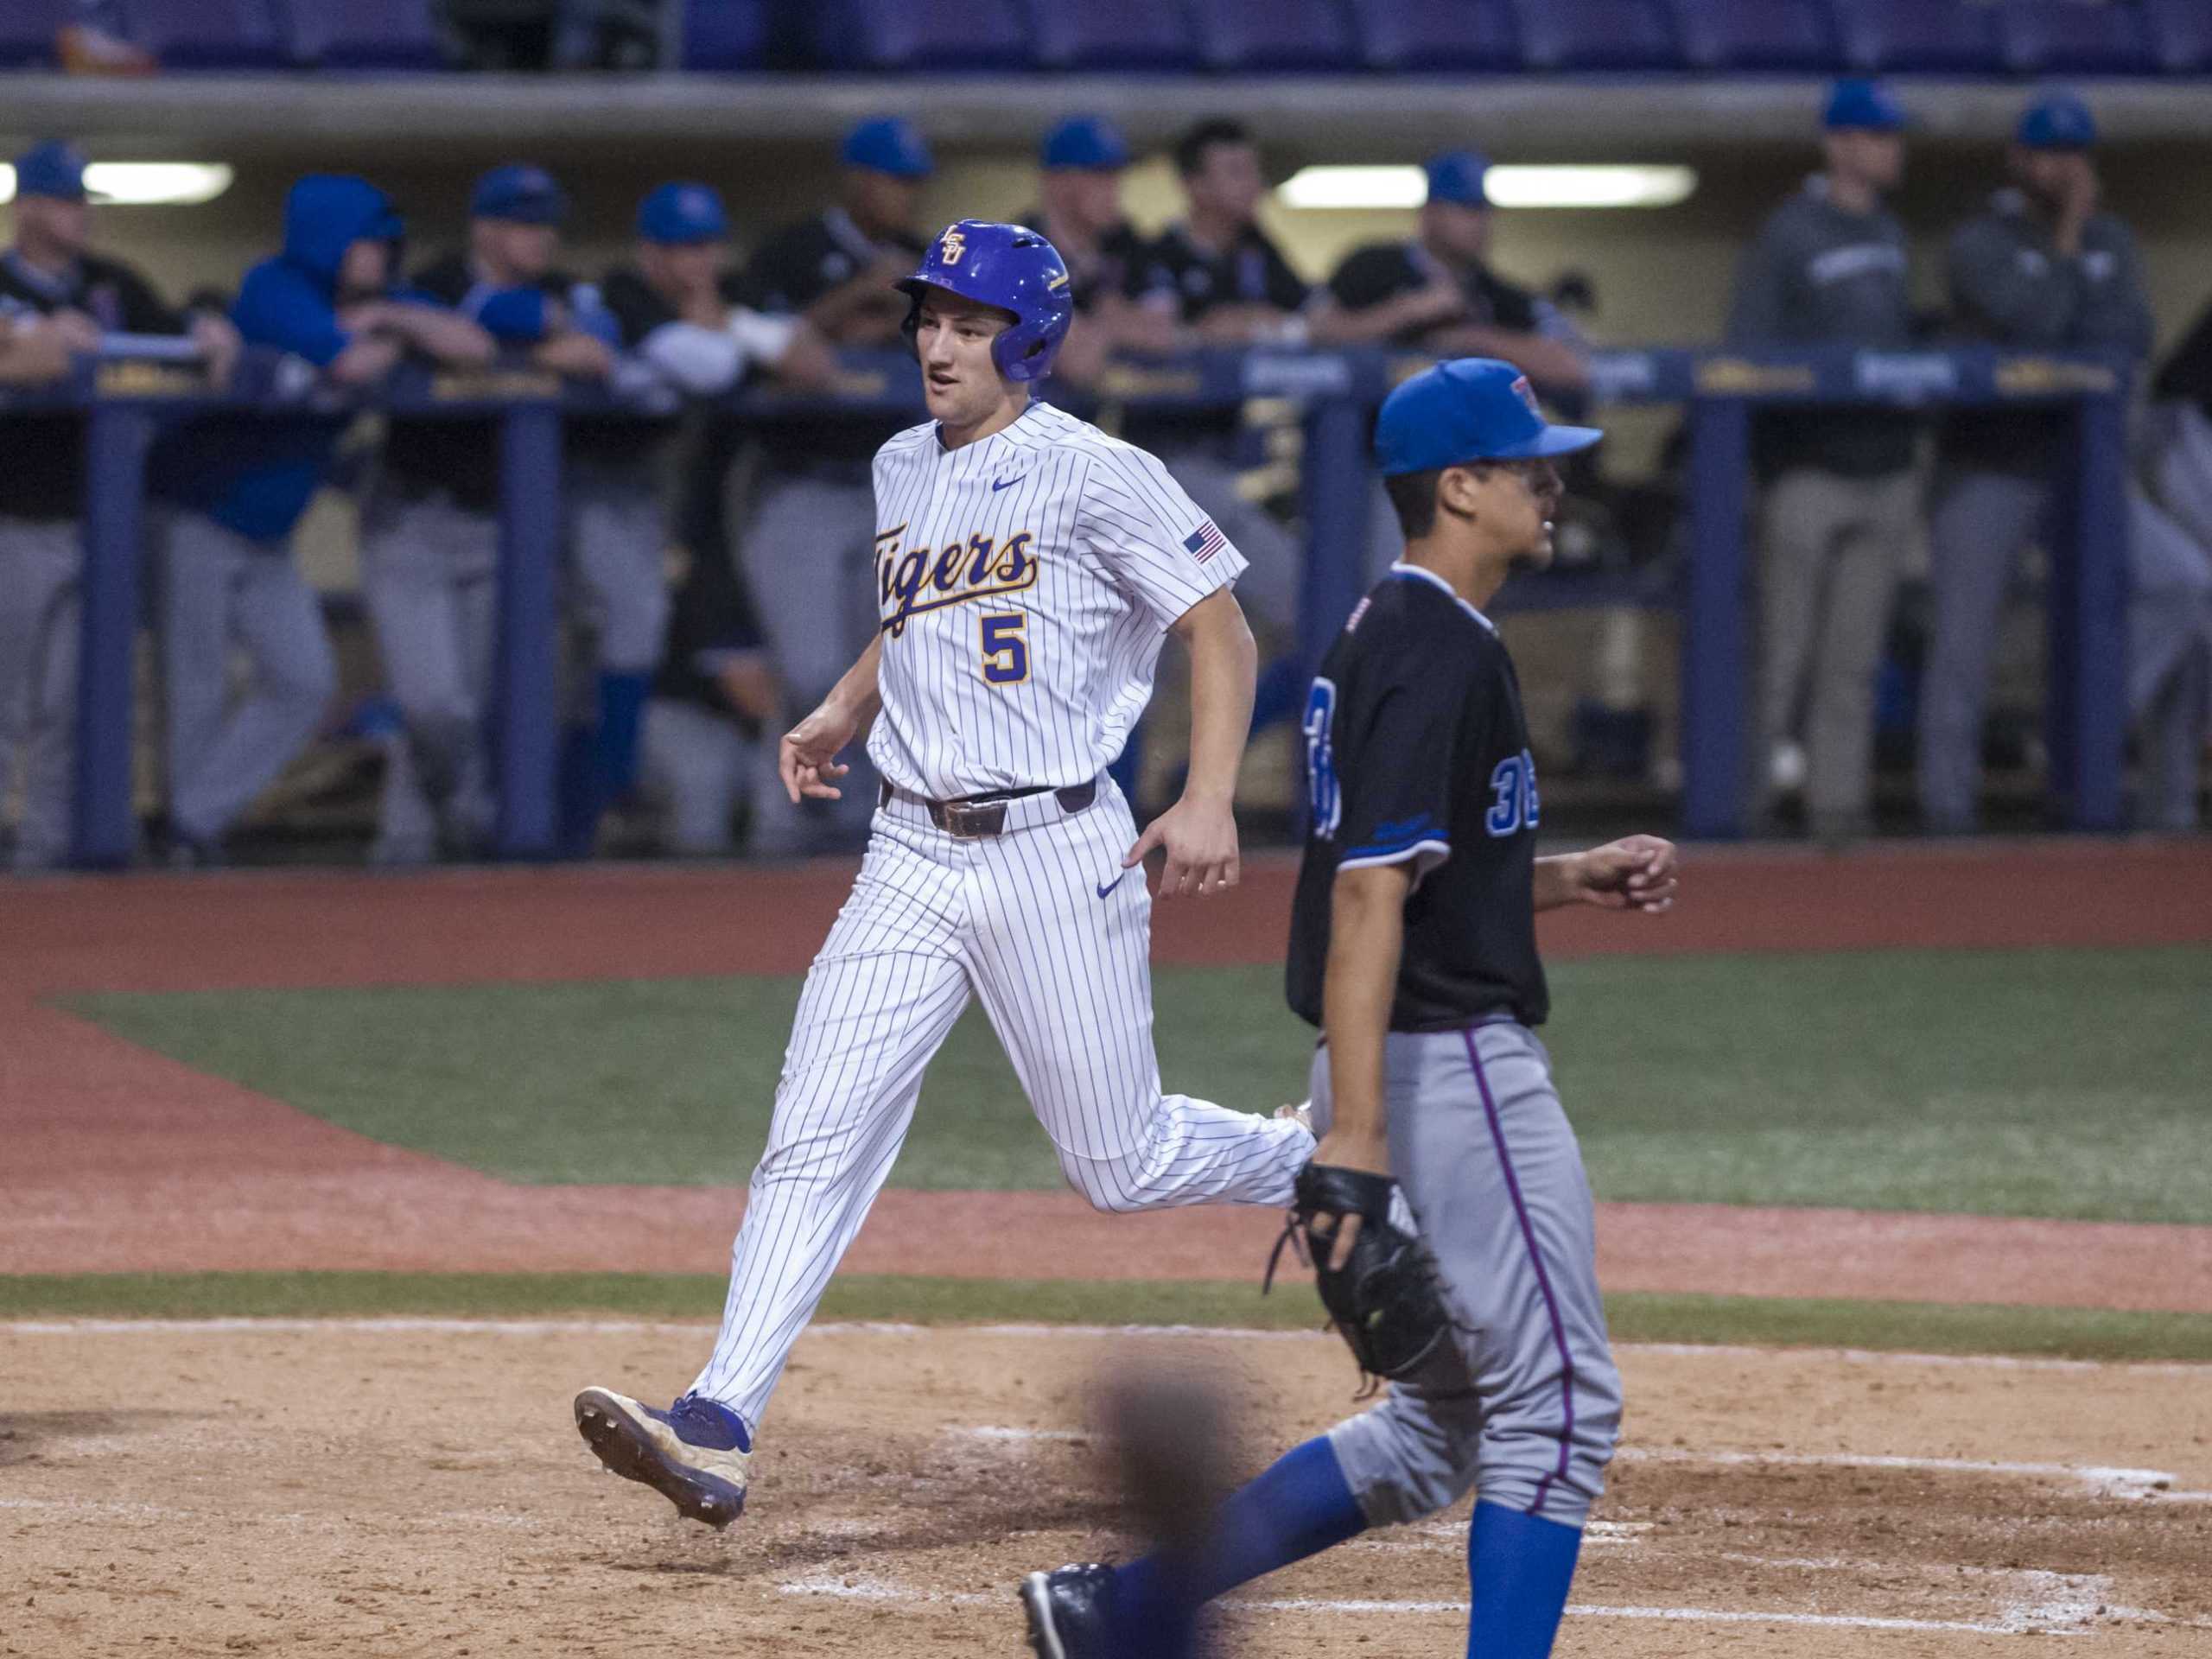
x=1413 y=947
x=1027 y=569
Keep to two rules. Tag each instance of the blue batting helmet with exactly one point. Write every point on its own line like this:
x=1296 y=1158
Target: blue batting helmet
x=1009 y=266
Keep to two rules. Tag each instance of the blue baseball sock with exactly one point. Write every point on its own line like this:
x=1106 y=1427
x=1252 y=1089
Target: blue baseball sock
x=621 y=718
x=578 y=797
x=1520 y=1566
x=1298 y=1508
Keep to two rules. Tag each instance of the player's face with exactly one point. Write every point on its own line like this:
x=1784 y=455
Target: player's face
x=517 y=252
x=1876 y=159
x=960 y=384
x=366 y=271
x=1513 y=502
x=881 y=203
x=1227 y=182
x=1089 y=200
x=1457 y=231
x=681 y=273
x=64 y=226
x=2049 y=175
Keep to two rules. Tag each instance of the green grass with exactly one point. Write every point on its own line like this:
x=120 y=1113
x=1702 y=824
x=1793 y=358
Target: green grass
x=2065 y=1084
x=1921 y=1327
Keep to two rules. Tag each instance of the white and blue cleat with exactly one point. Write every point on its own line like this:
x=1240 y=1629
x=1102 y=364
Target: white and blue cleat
x=695 y=1454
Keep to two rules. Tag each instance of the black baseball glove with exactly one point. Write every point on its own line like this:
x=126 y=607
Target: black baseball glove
x=1383 y=1294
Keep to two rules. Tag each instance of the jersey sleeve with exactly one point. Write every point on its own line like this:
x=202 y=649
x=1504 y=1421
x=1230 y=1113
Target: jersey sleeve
x=1155 y=540
x=1394 y=746
x=1369 y=276
x=277 y=309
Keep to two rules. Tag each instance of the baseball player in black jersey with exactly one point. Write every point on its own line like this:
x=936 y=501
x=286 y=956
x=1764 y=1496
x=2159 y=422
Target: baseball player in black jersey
x=1413 y=947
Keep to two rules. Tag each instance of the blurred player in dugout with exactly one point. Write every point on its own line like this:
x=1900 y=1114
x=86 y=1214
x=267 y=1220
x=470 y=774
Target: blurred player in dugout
x=431 y=537
x=806 y=549
x=710 y=685
x=57 y=298
x=1841 y=504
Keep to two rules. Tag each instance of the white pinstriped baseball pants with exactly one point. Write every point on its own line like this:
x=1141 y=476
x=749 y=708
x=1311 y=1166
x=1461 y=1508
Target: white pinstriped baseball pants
x=1066 y=977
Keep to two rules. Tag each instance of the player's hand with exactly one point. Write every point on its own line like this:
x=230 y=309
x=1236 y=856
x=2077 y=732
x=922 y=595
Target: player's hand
x=807 y=757
x=219 y=346
x=1440 y=302
x=1200 y=839
x=78 y=331
x=1636 y=873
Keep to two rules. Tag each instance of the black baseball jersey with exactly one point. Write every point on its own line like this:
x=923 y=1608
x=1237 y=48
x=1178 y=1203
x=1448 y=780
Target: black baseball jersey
x=45 y=474
x=1251 y=272
x=1117 y=267
x=1384 y=270
x=1417 y=753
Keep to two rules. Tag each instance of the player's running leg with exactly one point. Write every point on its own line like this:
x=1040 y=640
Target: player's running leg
x=885 y=988
x=1063 y=939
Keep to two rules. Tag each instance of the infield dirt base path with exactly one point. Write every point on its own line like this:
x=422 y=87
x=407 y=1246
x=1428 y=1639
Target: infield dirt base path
x=419 y=1492
x=118 y=1159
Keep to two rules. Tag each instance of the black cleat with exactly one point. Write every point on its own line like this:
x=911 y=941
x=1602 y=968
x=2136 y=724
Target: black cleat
x=1070 y=1612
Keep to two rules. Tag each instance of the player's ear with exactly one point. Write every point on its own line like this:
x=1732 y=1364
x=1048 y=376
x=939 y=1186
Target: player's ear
x=1458 y=491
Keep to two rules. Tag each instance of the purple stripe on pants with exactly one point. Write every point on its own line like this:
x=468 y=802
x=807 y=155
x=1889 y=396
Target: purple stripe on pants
x=1543 y=1279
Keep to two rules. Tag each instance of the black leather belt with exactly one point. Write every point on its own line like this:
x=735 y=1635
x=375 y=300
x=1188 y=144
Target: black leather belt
x=978 y=817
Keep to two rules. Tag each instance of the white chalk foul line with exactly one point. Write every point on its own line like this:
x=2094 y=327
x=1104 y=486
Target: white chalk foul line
x=2156 y=1484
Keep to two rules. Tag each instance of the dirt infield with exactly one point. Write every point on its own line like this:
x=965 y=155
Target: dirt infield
x=121 y=1159
x=416 y=1490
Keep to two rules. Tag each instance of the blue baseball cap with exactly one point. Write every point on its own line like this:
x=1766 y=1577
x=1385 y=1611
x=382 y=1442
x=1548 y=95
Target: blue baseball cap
x=519 y=192
x=1863 y=106
x=888 y=144
x=1089 y=143
x=1457 y=176
x=1468 y=410
x=682 y=215
x=53 y=168
x=2060 y=121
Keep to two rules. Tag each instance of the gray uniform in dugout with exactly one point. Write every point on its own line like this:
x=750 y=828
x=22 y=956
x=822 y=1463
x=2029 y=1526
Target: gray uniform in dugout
x=2034 y=269
x=1840 y=496
x=1418 y=753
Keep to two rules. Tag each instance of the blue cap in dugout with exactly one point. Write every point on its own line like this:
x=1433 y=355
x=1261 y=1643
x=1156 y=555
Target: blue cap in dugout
x=1009 y=266
x=1457 y=176
x=1088 y=143
x=53 y=168
x=521 y=192
x=888 y=144
x=683 y=216
x=1471 y=408
x=2059 y=121
x=1863 y=106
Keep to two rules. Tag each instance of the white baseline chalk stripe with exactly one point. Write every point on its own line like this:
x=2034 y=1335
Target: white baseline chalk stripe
x=2116 y=1482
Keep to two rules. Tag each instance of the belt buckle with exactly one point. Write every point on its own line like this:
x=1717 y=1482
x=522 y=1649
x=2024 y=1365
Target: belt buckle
x=964 y=822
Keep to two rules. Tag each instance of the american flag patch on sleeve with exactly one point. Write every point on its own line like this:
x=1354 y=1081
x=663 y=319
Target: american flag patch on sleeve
x=1203 y=543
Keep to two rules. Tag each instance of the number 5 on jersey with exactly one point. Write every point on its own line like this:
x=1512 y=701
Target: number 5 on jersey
x=1006 y=651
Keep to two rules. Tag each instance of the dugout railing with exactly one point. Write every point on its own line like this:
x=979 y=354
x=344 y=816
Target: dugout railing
x=127 y=403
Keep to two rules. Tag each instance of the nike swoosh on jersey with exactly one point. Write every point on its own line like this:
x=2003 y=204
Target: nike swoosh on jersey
x=1114 y=883
x=998 y=484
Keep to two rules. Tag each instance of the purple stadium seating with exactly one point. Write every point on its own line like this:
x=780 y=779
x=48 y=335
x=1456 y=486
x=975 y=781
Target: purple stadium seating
x=1881 y=35
x=2181 y=36
x=2067 y=37
x=1723 y=35
x=209 y=33
x=366 y=34
x=1597 y=35
x=942 y=36
x=1117 y=35
x=725 y=33
x=1243 y=37
x=27 y=30
x=1413 y=35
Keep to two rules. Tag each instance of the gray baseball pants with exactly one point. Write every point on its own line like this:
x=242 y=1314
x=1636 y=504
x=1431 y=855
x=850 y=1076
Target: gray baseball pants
x=219 y=589
x=42 y=569
x=2169 y=661
x=699 y=764
x=1524 y=1407
x=430 y=572
x=808 y=556
x=617 y=536
x=1833 y=548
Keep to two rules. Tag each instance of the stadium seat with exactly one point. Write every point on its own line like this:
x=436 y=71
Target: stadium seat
x=209 y=33
x=725 y=33
x=1597 y=35
x=1413 y=35
x=2067 y=37
x=1123 y=35
x=1243 y=36
x=1720 y=35
x=27 y=30
x=366 y=34
x=1878 y=36
x=2181 y=36
x=944 y=35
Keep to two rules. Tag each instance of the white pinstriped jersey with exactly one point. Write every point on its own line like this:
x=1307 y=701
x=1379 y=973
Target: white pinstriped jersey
x=1026 y=584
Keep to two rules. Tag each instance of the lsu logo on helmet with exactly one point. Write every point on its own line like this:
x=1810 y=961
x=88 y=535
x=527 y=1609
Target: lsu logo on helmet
x=952 y=245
